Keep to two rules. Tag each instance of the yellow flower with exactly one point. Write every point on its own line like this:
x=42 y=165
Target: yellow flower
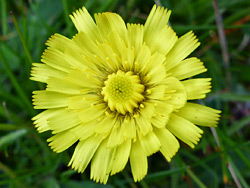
x=121 y=92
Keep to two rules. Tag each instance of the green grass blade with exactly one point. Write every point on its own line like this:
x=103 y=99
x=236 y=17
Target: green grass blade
x=8 y=127
x=198 y=162
x=22 y=40
x=4 y=17
x=207 y=27
x=66 y=15
x=228 y=96
x=195 y=178
x=12 y=99
x=143 y=184
x=11 y=137
x=16 y=85
x=9 y=115
x=11 y=174
x=236 y=147
x=162 y=174
x=237 y=174
x=236 y=126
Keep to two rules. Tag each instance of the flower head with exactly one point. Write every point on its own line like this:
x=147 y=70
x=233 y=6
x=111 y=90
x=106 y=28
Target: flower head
x=121 y=92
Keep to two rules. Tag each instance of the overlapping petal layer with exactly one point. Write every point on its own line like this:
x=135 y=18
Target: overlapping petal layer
x=120 y=92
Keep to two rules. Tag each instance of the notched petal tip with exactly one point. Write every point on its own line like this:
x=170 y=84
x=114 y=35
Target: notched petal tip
x=84 y=23
x=157 y=19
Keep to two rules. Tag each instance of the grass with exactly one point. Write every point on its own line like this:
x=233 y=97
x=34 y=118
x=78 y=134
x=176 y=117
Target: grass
x=221 y=159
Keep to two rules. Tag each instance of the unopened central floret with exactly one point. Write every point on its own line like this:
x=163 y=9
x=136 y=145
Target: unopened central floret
x=123 y=91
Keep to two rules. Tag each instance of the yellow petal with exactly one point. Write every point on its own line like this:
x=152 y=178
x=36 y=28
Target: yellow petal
x=138 y=161
x=41 y=72
x=143 y=119
x=155 y=69
x=166 y=34
x=159 y=120
x=182 y=48
x=127 y=59
x=80 y=102
x=88 y=114
x=144 y=124
x=62 y=86
x=184 y=130
x=197 y=88
x=200 y=115
x=100 y=165
x=82 y=44
x=105 y=125
x=175 y=93
x=115 y=137
x=162 y=114
x=76 y=60
x=108 y=22
x=84 y=23
x=117 y=44
x=135 y=36
x=49 y=99
x=81 y=79
x=84 y=152
x=41 y=120
x=85 y=130
x=62 y=141
x=58 y=42
x=108 y=57
x=169 y=144
x=150 y=143
x=163 y=108
x=156 y=92
x=156 y=21
x=55 y=59
x=63 y=120
x=187 y=68
x=121 y=157
x=142 y=59
x=128 y=128
x=80 y=53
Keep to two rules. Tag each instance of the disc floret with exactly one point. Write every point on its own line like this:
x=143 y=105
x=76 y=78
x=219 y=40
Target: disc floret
x=123 y=91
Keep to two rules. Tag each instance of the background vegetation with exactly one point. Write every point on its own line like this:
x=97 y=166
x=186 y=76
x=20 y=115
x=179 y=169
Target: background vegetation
x=221 y=159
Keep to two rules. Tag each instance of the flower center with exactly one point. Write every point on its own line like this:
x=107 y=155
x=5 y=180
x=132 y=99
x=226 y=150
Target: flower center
x=123 y=91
